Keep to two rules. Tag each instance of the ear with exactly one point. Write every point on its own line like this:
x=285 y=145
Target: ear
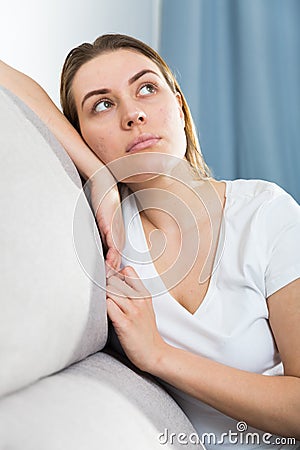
x=179 y=101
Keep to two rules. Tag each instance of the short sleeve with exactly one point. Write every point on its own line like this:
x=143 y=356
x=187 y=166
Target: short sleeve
x=281 y=218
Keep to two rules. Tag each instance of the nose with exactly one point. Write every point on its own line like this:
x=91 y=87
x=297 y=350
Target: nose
x=132 y=118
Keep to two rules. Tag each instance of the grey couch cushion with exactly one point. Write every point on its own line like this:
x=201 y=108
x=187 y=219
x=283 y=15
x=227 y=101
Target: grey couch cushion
x=53 y=310
x=95 y=404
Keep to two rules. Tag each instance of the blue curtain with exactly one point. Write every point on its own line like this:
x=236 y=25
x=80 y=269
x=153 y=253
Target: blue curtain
x=238 y=63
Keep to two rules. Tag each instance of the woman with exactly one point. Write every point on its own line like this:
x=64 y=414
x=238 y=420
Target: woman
x=210 y=300
x=127 y=106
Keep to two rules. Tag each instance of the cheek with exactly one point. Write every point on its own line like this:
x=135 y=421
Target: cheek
x=100 y=149
x=173 y=122
x=171 y=117
x=167 y=115
x=97 y=140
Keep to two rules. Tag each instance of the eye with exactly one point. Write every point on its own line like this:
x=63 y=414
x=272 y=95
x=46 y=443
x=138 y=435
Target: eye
x=148 y=89
x=102 y=105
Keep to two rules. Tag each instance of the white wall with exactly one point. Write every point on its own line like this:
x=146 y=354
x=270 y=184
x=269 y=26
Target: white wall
x=36 y=35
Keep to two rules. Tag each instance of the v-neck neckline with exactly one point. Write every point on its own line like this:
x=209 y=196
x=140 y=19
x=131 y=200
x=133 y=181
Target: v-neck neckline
x=219 y=250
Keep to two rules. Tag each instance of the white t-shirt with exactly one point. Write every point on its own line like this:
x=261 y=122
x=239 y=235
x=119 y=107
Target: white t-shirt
x=258 y=253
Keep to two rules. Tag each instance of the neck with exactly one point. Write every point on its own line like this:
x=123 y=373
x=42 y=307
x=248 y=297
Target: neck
x=178 y=200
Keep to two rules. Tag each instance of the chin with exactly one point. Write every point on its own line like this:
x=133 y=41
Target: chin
x=140 y=178
x=144 y=166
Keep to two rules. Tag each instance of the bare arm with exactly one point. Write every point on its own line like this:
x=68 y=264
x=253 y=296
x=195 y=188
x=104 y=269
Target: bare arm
x=270 y=403
x=38 y=100
x=85 y=160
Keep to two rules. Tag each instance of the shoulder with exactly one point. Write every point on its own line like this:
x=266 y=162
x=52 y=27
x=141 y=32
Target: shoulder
x=265 y=211
x=267 y=219
x=242 y=188
x=262 y=198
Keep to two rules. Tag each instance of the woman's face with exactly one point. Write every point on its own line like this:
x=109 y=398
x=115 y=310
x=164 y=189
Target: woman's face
x=125 y=107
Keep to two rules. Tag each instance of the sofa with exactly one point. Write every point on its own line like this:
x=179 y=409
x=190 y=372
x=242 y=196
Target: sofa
x=64 y=382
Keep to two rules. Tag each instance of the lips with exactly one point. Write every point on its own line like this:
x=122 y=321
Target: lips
x=143 y=141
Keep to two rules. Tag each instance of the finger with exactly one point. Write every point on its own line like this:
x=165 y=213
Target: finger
x=109 y=270
x=112 y=262
x=116 y=284
x=123 y=302
x=114 y=312
x=117 y=260
x=134 y=281
x=118 y=274
x=114 y=259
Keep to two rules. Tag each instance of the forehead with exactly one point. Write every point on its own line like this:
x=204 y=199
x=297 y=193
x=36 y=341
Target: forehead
x=110 y=67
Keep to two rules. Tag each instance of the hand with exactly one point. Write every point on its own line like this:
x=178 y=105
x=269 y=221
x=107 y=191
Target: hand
x=129 y=306
x=105 y=201
x=100 y=180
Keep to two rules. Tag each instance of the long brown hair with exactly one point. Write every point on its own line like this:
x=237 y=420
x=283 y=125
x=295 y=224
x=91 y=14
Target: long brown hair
x=110 y=42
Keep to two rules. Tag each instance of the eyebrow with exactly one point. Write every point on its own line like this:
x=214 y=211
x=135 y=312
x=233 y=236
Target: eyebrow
x=140 y=74
x=96 y=92
x=107 y=91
